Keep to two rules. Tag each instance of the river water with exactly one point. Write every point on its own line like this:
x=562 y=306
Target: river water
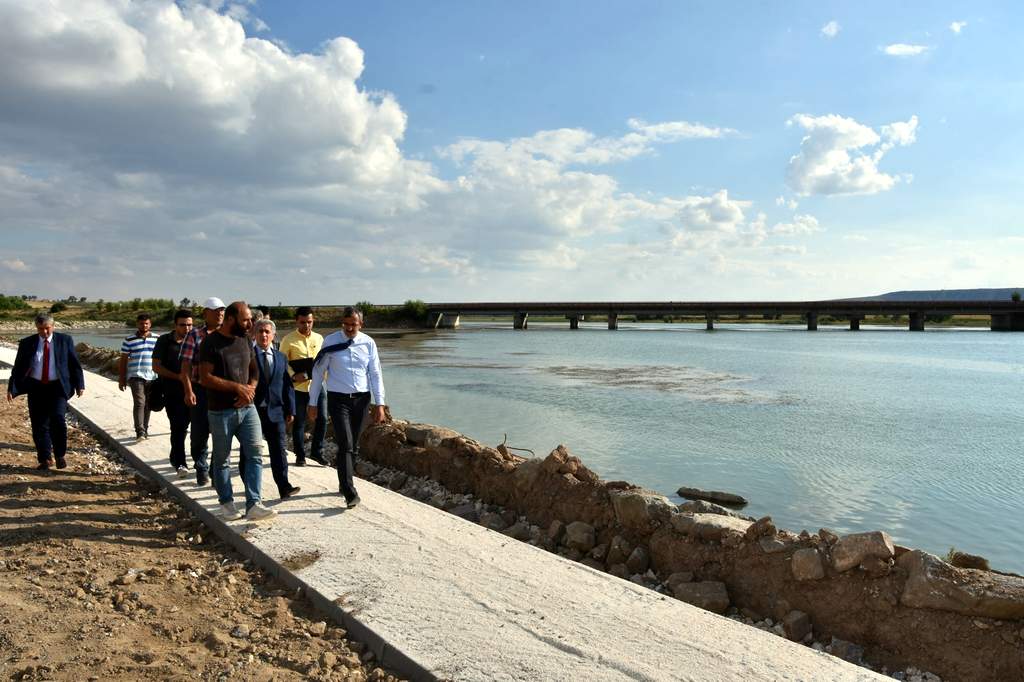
x=918 y=434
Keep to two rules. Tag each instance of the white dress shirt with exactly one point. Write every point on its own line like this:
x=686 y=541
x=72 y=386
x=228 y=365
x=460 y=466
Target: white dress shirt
x=353 y=370
x=37 y=361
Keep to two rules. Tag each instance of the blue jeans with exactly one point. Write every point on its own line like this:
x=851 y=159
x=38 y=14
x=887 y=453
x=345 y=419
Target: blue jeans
x=243 y=424
x=299 y=426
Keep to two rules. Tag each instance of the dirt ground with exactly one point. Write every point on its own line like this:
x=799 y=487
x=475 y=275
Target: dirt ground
x=104 y=577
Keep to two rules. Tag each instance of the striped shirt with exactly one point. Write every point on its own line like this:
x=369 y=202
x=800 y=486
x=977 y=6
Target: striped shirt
x=139 y=350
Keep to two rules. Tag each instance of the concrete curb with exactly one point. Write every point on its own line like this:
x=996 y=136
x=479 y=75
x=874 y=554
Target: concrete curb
x=436 y=597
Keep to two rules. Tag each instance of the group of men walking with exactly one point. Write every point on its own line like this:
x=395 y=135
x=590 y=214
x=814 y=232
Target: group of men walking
x=224 y=381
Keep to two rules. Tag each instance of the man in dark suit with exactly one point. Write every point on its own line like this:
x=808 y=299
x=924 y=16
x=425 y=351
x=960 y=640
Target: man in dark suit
x=275 y=402
x=47 y=369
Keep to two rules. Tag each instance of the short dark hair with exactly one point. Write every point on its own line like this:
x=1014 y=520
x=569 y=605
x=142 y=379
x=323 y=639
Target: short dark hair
x=233 y=309
x=351 y=311
x=142 y=317
x=303 y=310
x=181 y=315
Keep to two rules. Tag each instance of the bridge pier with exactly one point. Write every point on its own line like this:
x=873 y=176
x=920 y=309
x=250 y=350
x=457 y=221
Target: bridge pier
x=710 y=320
x=447 y=321
x=613 y=321
x=916 y=322
x=574 y=321
x=1007 y=322
x=520 y=321
x=854 y=324
x=812 y=322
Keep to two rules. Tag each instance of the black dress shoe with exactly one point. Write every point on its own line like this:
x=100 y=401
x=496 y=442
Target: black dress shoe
x=202 y=478
x=353 y=503
x=289 y=493
x=62 y=463
x=319 y=460
x=43 y=466
x=300 y=461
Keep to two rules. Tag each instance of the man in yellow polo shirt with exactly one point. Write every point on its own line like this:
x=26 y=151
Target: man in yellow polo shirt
x=300 y=348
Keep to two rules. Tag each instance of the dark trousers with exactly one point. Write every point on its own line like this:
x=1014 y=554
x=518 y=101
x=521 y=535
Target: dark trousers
x=178 y=417
x=140 y=398
x=274 y=434
x=347 y=413
x=299 y=426
x=200 y=420
x=47 y=408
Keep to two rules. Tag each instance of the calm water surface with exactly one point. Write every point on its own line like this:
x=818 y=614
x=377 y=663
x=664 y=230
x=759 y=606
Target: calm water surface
x=918 y=434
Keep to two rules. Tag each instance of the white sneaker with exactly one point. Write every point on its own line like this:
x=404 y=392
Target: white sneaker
x=182 y=472
x=258 y=512
x=229 y=512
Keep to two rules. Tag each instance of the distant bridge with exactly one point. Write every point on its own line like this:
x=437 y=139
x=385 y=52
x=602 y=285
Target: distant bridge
x=1004 y=315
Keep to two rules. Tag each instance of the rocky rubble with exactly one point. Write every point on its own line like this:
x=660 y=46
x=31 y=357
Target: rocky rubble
x=824 y=590
x=103 y=576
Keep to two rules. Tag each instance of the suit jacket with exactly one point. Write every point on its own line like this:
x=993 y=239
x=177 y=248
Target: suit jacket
x=276 y=389
x=68 y=368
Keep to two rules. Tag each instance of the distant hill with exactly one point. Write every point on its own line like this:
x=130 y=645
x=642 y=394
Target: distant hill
x=944 y=295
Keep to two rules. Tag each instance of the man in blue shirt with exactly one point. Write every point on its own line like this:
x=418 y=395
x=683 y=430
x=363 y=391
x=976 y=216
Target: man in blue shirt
x=136 y=371
x=348 y=368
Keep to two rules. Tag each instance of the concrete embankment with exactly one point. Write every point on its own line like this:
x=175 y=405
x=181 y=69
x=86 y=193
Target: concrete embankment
x=894 y=606
x=437 y=597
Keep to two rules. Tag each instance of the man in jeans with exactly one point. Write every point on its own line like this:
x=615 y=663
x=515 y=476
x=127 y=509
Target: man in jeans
x=167 y=365
x=228 y=372
x=136 y=370
x=195 y=394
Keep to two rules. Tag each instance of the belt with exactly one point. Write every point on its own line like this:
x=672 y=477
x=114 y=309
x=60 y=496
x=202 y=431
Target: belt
x=348 y=395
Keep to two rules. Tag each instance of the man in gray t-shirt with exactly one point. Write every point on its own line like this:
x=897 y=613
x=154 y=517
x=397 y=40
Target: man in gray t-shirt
x=228 y=372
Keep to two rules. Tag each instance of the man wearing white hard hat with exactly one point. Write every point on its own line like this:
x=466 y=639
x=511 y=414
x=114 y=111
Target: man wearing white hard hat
x=195 y=394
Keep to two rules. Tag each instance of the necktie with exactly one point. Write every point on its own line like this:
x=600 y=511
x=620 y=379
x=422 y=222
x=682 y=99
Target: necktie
x=266 y=365
x=45 y=375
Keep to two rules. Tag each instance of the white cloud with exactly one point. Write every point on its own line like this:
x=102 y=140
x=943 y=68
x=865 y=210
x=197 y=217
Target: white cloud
x=801 y=225
x=831 y=29
x=904 y=50
x=791 y=204
x=957 y=26
x=836 y=155
x=15 y=265
x=135 y=132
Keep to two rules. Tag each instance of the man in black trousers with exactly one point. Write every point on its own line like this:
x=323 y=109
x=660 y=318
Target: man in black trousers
x=47 y=369
x=275 y=403
x=167 y=365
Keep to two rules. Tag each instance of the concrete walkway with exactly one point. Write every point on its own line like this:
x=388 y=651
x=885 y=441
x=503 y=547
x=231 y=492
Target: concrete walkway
x=436 y=597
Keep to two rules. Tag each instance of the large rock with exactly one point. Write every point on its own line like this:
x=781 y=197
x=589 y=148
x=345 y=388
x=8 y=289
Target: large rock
x=850 y=550
x=708 y=595
x=641 y=509
x=712 y=496
x=705 y=507
x=619 y=550
x=934 y=584
x=796 y=625
x=806 y=564
x=428 y=435
x=580 y=536
x=709 y=526
x=638 y=560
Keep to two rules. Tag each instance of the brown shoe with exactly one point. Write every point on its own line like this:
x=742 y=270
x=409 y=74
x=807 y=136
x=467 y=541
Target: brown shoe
x=62 y=463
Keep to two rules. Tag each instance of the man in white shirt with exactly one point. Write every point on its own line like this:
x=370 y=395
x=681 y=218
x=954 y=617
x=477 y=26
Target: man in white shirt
x=348 y=368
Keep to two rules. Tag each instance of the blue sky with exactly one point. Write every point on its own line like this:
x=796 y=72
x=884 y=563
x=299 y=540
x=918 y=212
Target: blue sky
x=335 y=151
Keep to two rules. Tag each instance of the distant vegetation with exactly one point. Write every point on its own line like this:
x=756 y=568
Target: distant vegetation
x=13 y=303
